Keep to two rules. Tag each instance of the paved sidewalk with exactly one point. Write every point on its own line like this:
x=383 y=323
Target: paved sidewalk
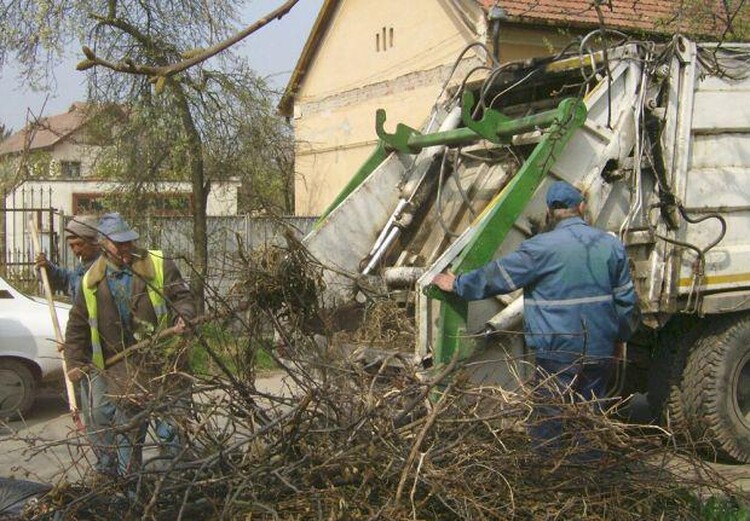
x=46 y=446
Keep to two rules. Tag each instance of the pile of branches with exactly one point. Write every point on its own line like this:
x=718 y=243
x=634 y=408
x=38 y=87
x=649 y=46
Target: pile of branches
x=342 y=440
x=349 y=444
x=384 y=325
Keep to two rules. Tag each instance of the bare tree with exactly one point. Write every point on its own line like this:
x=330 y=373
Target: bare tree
x=150 y=56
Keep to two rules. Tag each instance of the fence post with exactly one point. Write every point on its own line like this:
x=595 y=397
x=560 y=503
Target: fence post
x=3 y=236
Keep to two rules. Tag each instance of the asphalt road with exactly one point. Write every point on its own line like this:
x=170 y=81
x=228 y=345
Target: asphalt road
x=46 y=446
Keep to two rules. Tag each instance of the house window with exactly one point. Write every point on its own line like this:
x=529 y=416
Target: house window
x=384 y=39
x=70 y=169
x=88 y=203
x=162 y=205
x=171 y=204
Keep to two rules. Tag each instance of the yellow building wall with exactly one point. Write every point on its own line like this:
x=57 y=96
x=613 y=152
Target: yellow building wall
x=419 y=35
x=342 y=139
x=352 y=75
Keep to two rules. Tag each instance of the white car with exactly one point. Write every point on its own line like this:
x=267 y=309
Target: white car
x=28 y=348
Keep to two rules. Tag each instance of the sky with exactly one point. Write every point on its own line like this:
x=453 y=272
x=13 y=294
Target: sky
x=272 y=52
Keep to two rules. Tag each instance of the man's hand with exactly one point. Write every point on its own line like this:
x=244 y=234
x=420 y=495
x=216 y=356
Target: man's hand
x=41 y=261
x=75 y=374
x=445 y=281
x=180 y=326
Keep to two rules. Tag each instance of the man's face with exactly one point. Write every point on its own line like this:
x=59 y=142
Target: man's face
x=121 y=253
x=82 y=248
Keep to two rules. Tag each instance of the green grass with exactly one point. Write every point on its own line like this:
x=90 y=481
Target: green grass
x=723 y=509
x=232 y=350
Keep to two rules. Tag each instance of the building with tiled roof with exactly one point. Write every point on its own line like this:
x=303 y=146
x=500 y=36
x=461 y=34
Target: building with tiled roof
x=703 y=19
x=651 y=16
x=47 y=132
x=62 y=137
x=60 y=153
x=363 y=55
x=50 y=167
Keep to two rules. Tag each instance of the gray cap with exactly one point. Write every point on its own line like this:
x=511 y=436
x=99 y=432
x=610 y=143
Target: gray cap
x=113 y=227
x=83 y=226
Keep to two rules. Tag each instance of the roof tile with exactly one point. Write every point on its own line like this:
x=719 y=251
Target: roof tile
x=665 y=16
x=46 y=131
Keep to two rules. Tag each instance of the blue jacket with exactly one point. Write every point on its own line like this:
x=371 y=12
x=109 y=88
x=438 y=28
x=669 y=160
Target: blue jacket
x=578 y=295
x=68 y=281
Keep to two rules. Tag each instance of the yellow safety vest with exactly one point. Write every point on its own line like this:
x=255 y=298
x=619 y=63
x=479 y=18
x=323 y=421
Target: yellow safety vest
x=155 y=295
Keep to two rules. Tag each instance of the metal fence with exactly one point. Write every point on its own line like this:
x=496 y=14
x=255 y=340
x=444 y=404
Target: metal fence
x=226 y=237
x=21 y=210
x=172 y=235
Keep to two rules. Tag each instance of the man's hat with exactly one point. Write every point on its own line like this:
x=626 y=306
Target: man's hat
x=113 y=227
x=563 y=195
x=83 y=226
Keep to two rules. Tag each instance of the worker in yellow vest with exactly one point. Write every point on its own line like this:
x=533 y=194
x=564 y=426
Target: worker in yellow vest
x=127 y=295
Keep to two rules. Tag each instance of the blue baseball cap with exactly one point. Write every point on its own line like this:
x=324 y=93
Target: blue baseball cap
x=113 y=227
x=565 y=194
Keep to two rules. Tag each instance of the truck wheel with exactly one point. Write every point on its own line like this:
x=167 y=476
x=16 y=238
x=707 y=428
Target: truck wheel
x=673 y=412
x=17 y=389
x=716 y=389
x=666 y=372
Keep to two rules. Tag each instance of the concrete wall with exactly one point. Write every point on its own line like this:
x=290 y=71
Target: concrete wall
x=51 y=202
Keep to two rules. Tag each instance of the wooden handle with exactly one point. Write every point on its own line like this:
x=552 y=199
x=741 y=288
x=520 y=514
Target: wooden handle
x=72 y=402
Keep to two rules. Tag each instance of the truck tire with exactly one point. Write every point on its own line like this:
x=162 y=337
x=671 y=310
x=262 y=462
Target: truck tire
x=673 y=412
x=716 y=389
x=17 y=389
x=666 y=372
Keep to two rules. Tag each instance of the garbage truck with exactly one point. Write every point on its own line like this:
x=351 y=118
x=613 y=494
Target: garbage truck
x=657 y=136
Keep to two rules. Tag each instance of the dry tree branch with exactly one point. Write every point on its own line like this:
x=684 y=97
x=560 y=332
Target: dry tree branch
x=193 y=58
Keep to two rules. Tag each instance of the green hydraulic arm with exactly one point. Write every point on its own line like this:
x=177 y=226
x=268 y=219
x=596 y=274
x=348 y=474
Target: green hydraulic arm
x=493 y=225
x=494 y=126
x=378 y=156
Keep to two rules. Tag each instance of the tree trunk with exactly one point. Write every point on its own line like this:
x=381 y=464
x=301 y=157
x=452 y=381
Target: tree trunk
x=200 y=198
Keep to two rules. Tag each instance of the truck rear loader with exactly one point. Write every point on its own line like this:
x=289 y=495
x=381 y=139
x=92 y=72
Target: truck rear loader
x=658 y=138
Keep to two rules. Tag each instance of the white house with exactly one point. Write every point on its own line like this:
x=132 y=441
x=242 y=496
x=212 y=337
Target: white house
x=56 y=157
x=67 y=170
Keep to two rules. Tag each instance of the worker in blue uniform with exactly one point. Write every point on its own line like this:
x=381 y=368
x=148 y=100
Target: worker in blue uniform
x=579 y=301
x=81 y=235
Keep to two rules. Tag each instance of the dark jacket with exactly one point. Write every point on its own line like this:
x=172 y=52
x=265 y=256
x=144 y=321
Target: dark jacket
x=579 y=298
x=180 y=302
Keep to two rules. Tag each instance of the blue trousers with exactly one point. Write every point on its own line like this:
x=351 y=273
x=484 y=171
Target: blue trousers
x=98 y=416
x=554 y=380
x=116 y=440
